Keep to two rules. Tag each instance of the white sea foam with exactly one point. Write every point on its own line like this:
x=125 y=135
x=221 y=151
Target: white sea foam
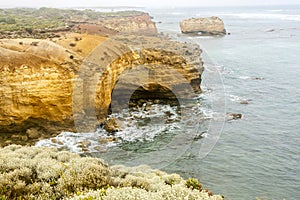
x=245 y=77
x=72 y=141
x=276 y=10
x=138 y=125
x=250 y=78
x=264 y=16
x=238 y=99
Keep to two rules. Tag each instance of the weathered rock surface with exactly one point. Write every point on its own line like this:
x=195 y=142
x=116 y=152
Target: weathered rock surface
x=205 y=26
x=140 y=24
x=36 y=78
x=51 y=87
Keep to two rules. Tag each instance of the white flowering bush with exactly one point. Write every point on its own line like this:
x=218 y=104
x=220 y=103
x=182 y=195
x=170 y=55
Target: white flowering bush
x=46 y=173
x=167 y=192
x=143 y=183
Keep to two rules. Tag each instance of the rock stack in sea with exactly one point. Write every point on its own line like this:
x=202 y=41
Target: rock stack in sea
x=204 y=26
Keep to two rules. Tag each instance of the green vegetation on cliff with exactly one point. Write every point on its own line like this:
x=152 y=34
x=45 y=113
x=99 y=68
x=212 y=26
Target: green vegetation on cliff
x=30 y=19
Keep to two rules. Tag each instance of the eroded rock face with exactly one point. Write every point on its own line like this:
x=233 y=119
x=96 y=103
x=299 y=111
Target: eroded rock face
x=139 y=24
x=36 y=78
x=34 y=89
x=39 y=78
x=206 y=26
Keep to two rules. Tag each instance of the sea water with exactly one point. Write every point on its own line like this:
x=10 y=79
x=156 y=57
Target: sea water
x=259 y=155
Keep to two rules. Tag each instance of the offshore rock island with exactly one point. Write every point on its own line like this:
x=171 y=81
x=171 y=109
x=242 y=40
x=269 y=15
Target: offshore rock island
x=205 y=26
x=58 y=67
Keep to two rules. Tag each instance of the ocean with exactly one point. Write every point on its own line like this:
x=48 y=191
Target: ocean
x=258 y=63
x=259 y=155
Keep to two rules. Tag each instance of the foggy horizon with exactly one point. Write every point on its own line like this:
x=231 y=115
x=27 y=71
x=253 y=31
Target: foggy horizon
x=139 y=3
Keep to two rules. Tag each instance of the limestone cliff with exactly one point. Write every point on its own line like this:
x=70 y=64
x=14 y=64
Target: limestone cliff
x=207 y=26
x=51 y=85
x=139 y=24
x=36 y=79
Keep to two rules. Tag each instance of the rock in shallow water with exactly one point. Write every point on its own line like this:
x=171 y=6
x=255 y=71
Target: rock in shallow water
x=210 y=26
x=113 y=125
x=233 y=116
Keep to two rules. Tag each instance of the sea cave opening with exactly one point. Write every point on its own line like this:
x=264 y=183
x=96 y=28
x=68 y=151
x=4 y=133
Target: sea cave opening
x=147 y=94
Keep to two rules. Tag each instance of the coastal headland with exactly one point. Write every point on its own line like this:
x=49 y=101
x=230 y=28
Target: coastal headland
x=58 y=72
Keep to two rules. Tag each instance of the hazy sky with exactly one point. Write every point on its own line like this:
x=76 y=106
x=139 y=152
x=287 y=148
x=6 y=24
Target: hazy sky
x=143 y=3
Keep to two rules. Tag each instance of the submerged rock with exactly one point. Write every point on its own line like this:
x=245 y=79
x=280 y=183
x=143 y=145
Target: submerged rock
x=205 y=26
x=233 y=116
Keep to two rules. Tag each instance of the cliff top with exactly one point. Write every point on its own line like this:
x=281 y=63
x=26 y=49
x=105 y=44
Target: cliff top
x=15 y=21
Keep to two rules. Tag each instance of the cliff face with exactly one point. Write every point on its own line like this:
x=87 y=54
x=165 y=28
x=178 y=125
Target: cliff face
x=139 y=24
x=144 y=64
x=51 y=87
x=210 y=26
x=36 y=79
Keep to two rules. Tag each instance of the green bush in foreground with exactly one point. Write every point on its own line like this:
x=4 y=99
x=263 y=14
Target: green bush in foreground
x=46 y=173
x=193 y=184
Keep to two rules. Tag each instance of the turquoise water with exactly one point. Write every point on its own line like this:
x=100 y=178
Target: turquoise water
x=259 y=155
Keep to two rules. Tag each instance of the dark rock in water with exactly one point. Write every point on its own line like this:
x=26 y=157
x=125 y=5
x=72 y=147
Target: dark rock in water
x=113 y=125
x=233 y=116
x=148 y=106
x=258 y=78
x=271 y=30
x=206 y=26
x=156 y=101
x=244 y=102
